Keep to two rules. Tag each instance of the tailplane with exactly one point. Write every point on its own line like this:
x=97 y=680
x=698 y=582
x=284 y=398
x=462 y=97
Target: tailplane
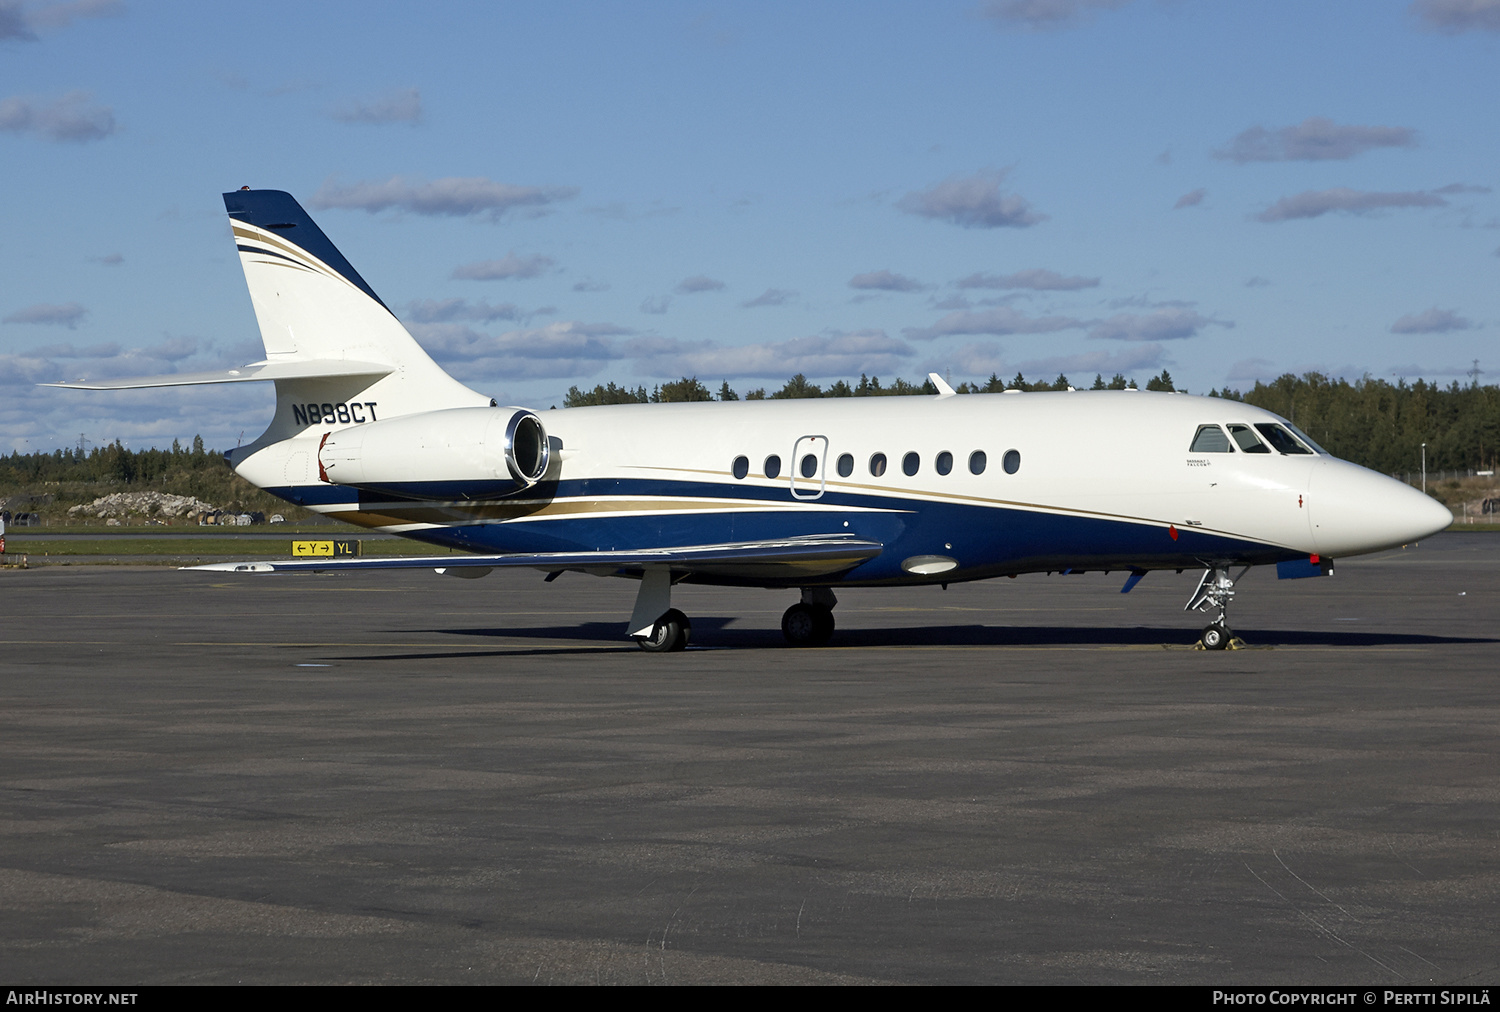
x=337 y=354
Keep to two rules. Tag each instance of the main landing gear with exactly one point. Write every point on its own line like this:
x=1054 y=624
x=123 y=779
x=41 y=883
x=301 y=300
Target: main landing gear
x=809 y=623
x=659 y=628
x=670 y=633
x=1215 y=591
x=654 y=624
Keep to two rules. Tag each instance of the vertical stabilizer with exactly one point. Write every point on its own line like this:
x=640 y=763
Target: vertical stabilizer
x=312 y=306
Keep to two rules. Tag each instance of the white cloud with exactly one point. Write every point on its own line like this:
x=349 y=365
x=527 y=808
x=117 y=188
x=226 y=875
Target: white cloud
x=979 y=358
x=698 y=283
x=886 y=281
x=656 y=305
x=1125 y=360
x=68 y=118
x=396 y=107
x=13 y=23
x=770 y=297
x=67 y=350
x=16 y=22
x=984 y=358
x=1431 y=321
x=1190 y=199
x=1170 y=324
x=1315 y=139
x=1036 y=278
x=564 y=340
x=1453 y=17
x=999 y=321
x=507 y=267
x=450 y=310
x=68 y=314
x=472 y=196
x=171 y=349
x=1248 y=370
x=972 y=202
x=832 y=354
x=1047 y=15
x=1316 y=203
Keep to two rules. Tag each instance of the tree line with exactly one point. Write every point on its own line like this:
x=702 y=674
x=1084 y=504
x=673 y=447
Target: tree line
x=112 y=462
x=79 y=475
x=799 y=386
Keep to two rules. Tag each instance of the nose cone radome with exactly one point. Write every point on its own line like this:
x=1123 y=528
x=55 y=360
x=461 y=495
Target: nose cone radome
x=1355 y=510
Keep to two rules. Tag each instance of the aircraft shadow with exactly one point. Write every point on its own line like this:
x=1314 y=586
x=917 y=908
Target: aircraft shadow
x=711 y=632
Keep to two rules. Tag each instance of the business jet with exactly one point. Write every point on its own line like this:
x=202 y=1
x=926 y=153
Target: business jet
x=803 y=495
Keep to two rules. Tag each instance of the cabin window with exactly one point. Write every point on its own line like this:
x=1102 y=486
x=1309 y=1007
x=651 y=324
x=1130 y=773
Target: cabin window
x=809 y=465
x=1244 y=438
x=977 y=461
x=911 y=463
x=944 y=462
x=1210 y=439
x=773 y=466
x=1278 y=437
x=741 y=466
x=1011 y=461
x=877 y=465
x=846 y=464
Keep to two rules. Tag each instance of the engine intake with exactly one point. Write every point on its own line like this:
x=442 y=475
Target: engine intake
x=526 y=451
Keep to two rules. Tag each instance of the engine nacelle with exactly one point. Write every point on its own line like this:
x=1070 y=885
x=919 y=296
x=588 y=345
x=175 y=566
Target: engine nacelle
x=460 y=452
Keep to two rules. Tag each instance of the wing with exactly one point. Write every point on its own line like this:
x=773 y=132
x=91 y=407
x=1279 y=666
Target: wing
x=783 y=559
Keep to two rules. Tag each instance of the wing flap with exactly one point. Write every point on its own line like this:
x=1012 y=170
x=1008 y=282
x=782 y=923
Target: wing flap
x=255 y=372
x=810 y=556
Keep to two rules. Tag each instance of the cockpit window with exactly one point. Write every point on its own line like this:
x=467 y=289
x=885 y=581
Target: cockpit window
x=1307 y=439
x=1210 y=439
x=1244 y=438
x=1278 y=437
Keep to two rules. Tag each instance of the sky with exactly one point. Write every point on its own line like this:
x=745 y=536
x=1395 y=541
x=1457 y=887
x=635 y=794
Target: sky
x=563 y=194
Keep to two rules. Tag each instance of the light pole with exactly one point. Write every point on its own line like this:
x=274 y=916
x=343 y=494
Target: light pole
x=1424 y=467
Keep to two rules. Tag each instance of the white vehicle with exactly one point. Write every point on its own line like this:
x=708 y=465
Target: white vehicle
x=811 y=495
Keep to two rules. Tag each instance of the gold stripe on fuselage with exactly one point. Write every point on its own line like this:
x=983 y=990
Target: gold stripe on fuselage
x=461 y=513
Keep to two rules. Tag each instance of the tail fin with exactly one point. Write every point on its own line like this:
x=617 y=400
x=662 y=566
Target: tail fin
x=313 y=307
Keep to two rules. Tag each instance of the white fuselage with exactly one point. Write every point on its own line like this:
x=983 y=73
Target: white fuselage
x=1104 y=480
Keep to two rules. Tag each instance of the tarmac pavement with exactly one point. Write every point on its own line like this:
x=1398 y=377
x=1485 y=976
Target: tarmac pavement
x=406 y=778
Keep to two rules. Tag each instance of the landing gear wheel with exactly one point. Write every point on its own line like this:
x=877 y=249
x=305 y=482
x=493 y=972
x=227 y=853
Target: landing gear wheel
x=807 y=625
x=1215 y=637
x=670 y=634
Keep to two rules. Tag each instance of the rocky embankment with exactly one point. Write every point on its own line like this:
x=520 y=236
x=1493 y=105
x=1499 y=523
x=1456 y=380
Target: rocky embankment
x=146 y=504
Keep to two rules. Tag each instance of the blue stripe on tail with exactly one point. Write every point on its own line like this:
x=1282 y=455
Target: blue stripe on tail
x=278 y=212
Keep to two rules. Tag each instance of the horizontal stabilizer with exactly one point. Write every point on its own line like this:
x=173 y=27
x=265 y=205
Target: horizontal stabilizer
x=811 y=556
x=256 y=371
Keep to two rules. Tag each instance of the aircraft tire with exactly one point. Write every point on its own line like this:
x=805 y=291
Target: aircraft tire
x=1215 y=637
x=670 y=634
x=807 y=625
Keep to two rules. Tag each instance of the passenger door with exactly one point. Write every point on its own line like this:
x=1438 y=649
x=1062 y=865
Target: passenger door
x=809 y=458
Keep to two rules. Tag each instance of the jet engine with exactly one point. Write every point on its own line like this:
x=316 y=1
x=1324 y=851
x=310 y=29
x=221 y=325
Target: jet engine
x=456 y=453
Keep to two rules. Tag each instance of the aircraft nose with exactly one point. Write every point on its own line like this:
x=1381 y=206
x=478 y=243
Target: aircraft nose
x=1355 y=510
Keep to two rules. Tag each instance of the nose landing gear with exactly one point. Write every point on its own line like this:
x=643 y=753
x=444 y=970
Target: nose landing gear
x=1215 y=591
